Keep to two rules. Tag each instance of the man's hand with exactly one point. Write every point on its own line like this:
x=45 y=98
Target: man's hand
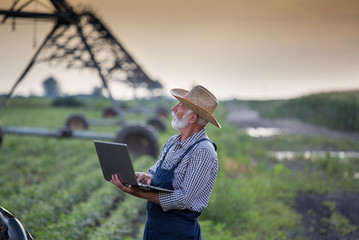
x=143 y=178
x=136 y=191
x=133 y=190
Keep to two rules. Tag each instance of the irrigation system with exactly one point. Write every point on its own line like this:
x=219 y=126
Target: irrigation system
x=80 y=40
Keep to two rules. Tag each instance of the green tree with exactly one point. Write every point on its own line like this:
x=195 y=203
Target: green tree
x=51 y=87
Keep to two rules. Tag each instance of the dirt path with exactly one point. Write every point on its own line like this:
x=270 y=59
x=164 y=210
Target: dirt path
x=244 y=117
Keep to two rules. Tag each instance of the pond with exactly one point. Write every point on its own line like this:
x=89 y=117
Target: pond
x=263 y=132
x=316 y=155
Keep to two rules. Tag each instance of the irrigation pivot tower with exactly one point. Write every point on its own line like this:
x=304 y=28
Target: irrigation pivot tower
x=80 y=40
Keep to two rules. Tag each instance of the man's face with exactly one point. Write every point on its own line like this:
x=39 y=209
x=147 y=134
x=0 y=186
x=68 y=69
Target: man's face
x=180 y=116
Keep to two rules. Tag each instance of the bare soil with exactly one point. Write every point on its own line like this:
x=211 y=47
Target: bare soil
x=319 y=221
x=314 y=208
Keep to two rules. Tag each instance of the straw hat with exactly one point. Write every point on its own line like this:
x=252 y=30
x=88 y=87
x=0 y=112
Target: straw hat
x=200 y=100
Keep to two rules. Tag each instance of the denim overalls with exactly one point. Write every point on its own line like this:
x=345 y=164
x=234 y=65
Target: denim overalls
x=172 y=224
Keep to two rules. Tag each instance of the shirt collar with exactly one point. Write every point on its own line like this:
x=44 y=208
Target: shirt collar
x=198 y=135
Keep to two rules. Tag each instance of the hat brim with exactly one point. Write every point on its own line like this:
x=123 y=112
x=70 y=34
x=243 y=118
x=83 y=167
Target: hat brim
x=180 y=93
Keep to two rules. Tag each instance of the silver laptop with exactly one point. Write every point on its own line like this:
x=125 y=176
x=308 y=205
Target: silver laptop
x=115 y=159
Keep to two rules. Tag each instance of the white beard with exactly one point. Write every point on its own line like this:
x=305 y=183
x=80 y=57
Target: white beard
x=182 y=123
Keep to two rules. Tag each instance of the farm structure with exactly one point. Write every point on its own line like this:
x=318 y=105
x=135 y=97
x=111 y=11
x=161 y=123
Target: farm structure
x=80 y=40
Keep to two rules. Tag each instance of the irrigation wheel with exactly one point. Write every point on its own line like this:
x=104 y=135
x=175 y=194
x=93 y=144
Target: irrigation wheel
x=77 y=121
x=157 y=124
x=109 y=113
x=140 y=140
x=162 y=112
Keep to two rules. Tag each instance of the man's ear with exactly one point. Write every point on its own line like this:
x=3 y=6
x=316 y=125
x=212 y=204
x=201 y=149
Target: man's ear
x=193 y=118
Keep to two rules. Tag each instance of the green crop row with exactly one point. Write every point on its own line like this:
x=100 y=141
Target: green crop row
x=63 y=201
x=45 y=168
x=86 y=216
x=24 y=170
x=83 y=216
x=124 y=221
x=59 y=185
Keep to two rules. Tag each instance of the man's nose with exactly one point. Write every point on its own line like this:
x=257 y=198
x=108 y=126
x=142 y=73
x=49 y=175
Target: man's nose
x=175 y=107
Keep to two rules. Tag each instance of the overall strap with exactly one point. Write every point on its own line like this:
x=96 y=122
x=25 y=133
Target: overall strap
x=165 y=153
x=190 y=148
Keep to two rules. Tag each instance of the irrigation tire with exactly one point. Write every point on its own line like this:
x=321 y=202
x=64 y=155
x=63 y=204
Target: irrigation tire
x=162 y=112
x=109 y=113
x=157 y=124
x=77 y=121
x=140 y=140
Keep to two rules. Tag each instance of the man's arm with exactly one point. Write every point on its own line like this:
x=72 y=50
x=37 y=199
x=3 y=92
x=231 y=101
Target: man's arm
x=135 y=191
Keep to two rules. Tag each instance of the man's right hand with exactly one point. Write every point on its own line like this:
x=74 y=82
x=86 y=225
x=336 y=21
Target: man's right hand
x=143 y=178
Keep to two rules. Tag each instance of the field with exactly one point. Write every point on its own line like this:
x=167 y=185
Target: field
x=56 y=189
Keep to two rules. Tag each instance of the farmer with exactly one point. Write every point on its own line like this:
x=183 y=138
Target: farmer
x=187 y=164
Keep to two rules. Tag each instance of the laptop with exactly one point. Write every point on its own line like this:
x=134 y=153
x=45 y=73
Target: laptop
x=114 y=158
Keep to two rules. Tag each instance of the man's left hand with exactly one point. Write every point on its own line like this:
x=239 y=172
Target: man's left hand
x=133 y=190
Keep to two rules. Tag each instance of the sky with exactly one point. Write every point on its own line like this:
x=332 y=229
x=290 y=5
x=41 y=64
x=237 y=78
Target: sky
x=253 y=50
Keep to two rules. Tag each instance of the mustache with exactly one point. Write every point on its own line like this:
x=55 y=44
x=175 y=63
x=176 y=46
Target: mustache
x=174 y=116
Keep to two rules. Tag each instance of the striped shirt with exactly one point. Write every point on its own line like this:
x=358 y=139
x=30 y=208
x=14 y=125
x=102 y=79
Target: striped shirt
x=193 y=178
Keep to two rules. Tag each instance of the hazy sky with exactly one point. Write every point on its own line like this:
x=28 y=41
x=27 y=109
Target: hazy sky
x=257 y=49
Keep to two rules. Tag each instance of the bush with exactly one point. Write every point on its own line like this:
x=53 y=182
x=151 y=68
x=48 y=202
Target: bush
x=334 y=110
x=212 y=231
x=230 y=204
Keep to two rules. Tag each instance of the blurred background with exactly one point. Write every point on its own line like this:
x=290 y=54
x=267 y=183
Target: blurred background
x=239 y=49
